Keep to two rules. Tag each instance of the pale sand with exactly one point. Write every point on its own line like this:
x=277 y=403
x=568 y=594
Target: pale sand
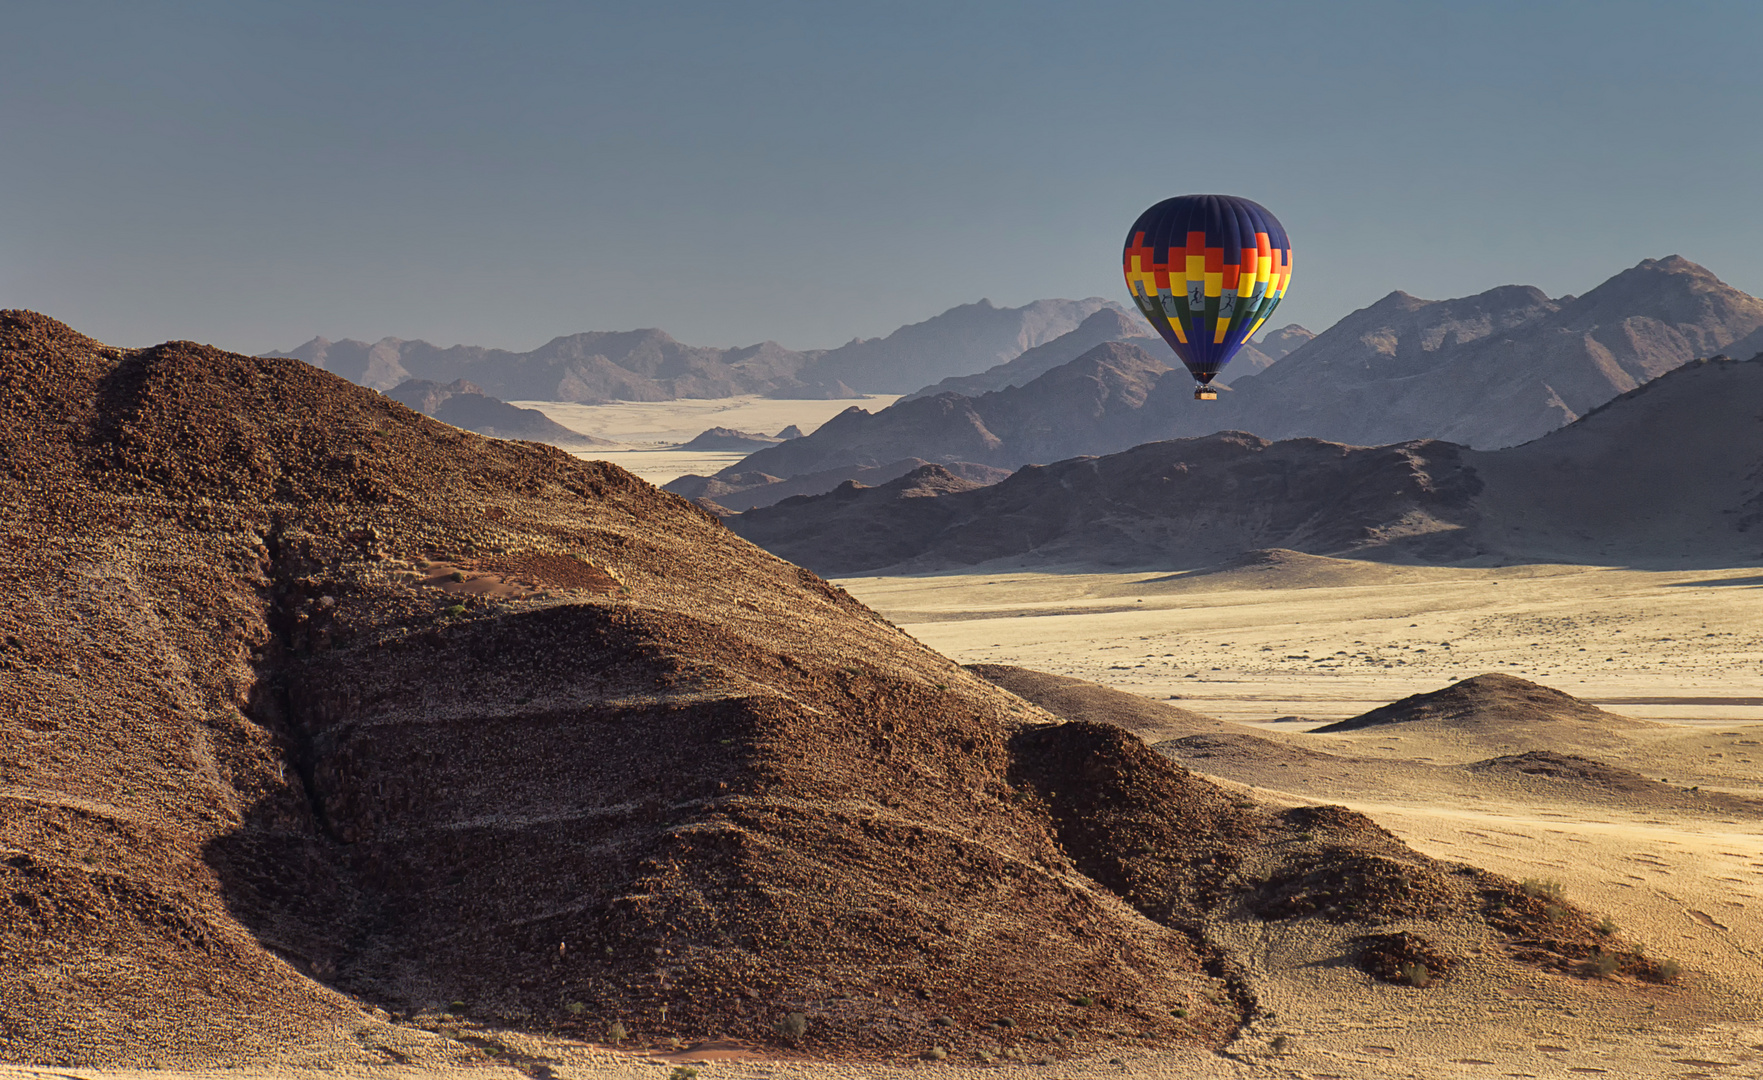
x=1685 y=883
x=648 y=427
x=1258 y=645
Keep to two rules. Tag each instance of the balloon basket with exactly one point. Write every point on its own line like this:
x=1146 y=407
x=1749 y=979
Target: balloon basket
x=1205 y=393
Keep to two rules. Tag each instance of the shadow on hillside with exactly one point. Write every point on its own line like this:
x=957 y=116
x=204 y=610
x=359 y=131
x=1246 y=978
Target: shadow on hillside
x=1753 y=581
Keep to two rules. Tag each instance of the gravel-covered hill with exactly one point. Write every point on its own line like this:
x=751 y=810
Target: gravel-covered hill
x=319 y=718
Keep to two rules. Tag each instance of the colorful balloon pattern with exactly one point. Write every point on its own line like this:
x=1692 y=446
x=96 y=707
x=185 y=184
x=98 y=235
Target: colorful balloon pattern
x=1207 y=271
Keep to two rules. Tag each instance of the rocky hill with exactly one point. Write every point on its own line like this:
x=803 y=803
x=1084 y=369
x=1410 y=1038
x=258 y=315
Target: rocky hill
x=1600 y=491
x=465 y=405
x=322 y=721
x=649 y=365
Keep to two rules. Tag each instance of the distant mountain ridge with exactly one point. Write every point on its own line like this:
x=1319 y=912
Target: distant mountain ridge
x=1091 y=401
x=1109 y=324
x=649 y=365
x=1598 y=492
x=1497 y=369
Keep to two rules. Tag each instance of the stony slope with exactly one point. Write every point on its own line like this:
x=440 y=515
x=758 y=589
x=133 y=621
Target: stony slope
x=1600 y=491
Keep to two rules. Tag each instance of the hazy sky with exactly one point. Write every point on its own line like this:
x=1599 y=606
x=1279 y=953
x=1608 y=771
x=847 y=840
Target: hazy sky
x=254 y=173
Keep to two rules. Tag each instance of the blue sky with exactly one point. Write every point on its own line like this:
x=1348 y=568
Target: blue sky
x=253 y=173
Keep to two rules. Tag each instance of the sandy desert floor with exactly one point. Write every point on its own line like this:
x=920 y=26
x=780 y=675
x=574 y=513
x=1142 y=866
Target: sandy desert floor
x=1273 y=651
x=1324 y=639
x=649 y=428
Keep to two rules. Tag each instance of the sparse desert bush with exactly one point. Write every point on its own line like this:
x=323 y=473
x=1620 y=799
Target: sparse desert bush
x=1606 y=927
x=1668 y=970
x=576 y=1008
x=1541 y=888
x=1416 y=975
x=793 y=1026
x=456 y=610
x=616 y=1033
x=1279 y=1043
x=683 y=1072
x=1600 y=965
x=936 y=1053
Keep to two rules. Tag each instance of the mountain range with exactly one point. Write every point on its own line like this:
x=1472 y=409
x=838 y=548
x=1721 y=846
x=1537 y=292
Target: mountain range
x=1110 y=324
x=1486 y=371
x=649 y=365
x=1670 y=473
x=1496 y=369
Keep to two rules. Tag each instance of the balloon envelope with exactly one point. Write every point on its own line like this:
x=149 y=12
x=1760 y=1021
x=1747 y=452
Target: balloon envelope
x=1207 y=271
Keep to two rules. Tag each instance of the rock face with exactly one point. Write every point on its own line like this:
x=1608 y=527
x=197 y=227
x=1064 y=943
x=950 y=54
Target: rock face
x=465 y=405
x=1488 y=371
x=648 y=365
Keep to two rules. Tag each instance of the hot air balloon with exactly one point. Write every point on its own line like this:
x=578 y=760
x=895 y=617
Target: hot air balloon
x=1207 y=271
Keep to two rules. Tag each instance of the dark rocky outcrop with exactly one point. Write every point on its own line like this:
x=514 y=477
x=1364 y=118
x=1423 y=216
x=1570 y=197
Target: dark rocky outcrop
x=465 y=405
x=1598 y=492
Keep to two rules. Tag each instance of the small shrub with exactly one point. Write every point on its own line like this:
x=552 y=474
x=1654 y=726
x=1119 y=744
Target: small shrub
x=456 y=610
x=936 y=1053
x=1416 y=975
x=1600 y=965
x=1180 y=1014
x=1085 y=1000
x=457 y=575
x=683 y=1072
x=616 y=1033
x=1279 y=1043
x=576 y=1008
x=1606 y=927
x=1554 y=912
x=1541 y=888
x=1668 y=970
x=793 y=1026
